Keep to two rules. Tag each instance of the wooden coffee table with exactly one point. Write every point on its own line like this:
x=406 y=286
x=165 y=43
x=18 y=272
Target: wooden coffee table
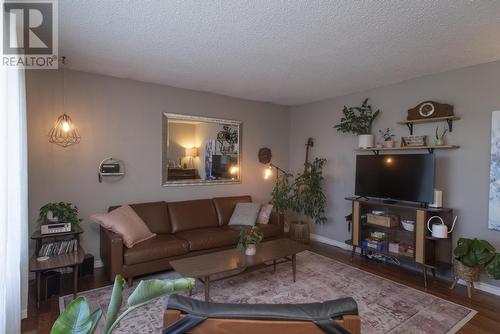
x=203 y=266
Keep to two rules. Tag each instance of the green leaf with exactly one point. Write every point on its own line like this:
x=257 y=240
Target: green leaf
x=95 y=317
x=115 y=303
x=152 y=289
x=76 y=319
x=493 y=267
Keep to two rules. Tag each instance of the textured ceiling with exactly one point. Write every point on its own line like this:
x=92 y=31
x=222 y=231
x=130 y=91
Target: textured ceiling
x=285 y=52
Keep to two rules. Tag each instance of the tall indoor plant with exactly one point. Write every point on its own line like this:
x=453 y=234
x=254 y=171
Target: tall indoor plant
x=305 y=196
x=77 y=319
x=358 y=121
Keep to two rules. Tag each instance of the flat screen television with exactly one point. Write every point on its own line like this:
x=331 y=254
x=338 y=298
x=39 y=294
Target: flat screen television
x=403 y=177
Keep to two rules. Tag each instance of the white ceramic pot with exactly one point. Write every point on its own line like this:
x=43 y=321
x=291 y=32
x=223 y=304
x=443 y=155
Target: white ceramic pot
x=365 y=141
x=250 y=250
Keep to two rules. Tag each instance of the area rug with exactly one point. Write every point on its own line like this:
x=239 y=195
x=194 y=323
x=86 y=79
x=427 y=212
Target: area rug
x=384 y=306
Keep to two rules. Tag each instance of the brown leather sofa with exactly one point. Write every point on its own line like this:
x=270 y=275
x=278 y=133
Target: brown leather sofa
x=183 y=229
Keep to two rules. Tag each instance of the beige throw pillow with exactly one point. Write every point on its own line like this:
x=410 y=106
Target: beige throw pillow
x=265 y=214
x=245 y=214
x=125 y=222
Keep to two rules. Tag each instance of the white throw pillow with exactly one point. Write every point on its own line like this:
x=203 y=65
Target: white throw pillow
x=245 y=214
x=265 y=213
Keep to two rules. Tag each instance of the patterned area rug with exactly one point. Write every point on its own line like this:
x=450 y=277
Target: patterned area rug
x=384 y=306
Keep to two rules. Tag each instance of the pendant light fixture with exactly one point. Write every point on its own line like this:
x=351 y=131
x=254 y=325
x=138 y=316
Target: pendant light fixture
x=64 y=133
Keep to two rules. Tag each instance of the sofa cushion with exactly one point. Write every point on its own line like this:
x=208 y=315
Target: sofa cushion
x=189 y=215
x=245 y=214
x=159 y=247
x=225 y=206
x=125 y=222
x=154 y=215
x=206 y=238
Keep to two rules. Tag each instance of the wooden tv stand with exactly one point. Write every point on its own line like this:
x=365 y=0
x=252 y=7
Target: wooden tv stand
x=429 y=252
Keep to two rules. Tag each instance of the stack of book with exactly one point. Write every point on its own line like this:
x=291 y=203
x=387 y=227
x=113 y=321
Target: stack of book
x=58 y=247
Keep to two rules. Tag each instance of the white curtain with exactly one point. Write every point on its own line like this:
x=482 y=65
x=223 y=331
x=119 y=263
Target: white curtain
x=13 y=199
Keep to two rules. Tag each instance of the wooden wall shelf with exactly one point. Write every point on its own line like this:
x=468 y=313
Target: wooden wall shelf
x=430 y=148
x=447 y=119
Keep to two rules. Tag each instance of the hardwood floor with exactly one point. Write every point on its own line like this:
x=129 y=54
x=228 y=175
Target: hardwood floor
x=486 y=321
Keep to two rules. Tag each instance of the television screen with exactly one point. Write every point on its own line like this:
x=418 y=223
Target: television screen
x=404 y=177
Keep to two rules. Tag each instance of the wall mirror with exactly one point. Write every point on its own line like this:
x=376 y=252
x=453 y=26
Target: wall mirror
x=200 y=150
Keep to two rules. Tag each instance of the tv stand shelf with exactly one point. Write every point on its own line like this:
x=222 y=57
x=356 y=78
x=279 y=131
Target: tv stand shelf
x=428 y=252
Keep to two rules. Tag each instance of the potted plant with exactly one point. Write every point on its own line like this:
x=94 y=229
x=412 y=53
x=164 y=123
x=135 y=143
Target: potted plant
x=358 y=121
x=441 y=137
x=77 y=318
x=308 y=199
x=470 y=256
x=387 y=135
x=250 y=238
x=59 y=212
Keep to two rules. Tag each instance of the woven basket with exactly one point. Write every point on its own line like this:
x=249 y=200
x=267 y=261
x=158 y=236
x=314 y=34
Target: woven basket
x=468 y=274
x=299 y=231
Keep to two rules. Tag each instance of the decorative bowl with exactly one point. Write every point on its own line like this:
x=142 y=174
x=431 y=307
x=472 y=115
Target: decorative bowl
x=408 y=225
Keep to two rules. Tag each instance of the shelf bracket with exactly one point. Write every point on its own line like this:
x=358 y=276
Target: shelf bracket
x=410 y=127
x=431 y=150
x=450 y=124
x=376 y=152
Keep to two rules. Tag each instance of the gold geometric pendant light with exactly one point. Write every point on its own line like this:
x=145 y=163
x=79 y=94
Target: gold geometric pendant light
x=64 y=133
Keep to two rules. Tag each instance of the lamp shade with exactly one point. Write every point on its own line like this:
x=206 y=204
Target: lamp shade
x=64 y=133
x=191 y=152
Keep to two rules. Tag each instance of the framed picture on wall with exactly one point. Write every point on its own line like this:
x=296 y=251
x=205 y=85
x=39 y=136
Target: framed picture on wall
x=494 y=196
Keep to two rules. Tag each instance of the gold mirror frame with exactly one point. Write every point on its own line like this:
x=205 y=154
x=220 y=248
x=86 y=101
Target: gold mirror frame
x=165 y=145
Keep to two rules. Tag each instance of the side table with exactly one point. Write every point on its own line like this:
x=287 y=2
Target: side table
x=73 y=260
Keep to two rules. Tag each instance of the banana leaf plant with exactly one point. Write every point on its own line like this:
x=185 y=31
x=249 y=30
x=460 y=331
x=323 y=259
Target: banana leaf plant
x=77 y=318
x=473 y=252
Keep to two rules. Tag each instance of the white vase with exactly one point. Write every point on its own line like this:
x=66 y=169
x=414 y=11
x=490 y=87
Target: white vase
x=365 y=141
x=250 y=250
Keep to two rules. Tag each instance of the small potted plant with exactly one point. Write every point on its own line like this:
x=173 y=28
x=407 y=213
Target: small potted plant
x=441 y=137
x=470 y=256
x=250 y=238
x=387 y=135
x=358 y=121
x=59 y=212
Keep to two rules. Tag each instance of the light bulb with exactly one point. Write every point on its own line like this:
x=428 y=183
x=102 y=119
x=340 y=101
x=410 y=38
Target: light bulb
x=268 y=172
x=234 y=170
x=65 y=126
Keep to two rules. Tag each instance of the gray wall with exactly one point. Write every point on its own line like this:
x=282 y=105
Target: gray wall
x=123 y=119
x=462 y=174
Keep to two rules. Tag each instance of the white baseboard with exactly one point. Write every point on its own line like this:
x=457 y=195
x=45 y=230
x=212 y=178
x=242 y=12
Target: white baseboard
x=98 y=263
x=495 y=290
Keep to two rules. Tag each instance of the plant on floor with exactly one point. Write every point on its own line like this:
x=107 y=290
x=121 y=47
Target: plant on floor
x=249 y=235
x=475 y=252
x=64 y=211
x=307 y=195
x=357 y=120
x=77 y=319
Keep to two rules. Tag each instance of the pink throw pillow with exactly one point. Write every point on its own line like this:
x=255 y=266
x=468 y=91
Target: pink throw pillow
x=125 y=222
x=265 y=214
